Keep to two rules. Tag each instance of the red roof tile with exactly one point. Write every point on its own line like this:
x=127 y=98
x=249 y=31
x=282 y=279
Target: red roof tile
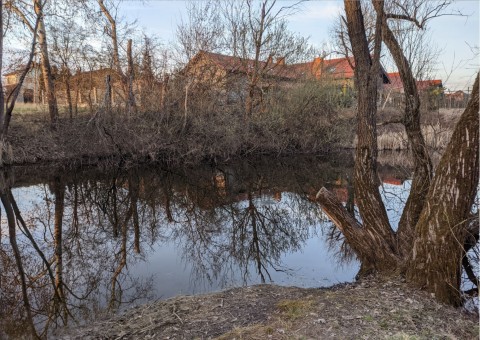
x=337 y=68
x=396 y=83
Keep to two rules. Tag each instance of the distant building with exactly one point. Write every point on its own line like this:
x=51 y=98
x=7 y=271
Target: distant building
x=396 y=84
x=229 y=74
x=430 y=90
x=30 y=91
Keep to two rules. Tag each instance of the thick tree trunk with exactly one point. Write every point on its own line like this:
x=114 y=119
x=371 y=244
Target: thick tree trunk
x=369 y=202
x=422 y=172
x=373 y=241
x=437 y=254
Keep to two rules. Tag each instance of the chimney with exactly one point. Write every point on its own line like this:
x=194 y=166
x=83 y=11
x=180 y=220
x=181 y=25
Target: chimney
x=281 y=61
x=269 y=60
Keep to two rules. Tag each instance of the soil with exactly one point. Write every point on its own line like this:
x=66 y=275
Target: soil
x=370 y=309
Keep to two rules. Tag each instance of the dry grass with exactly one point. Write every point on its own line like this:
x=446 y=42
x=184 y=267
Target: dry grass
x=368 y=310
x=148 y=137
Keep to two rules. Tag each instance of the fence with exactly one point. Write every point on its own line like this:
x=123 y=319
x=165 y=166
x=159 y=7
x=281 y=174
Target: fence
x=429 y=101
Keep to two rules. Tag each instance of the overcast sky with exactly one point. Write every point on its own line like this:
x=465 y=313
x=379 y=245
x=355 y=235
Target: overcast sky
x=456 y=36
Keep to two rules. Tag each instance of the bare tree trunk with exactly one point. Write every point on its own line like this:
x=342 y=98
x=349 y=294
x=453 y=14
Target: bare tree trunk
x=373 y=213
x=46 y=69
x=438 y=247
x=131 y=105
x=69 y=97
x=2 y=97
x=113 y=34
x=6 y=154
x=422 y=172
x=108 y=94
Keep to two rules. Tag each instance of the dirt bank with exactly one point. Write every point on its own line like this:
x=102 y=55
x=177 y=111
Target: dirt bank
x=370 y=309
x=150 y=137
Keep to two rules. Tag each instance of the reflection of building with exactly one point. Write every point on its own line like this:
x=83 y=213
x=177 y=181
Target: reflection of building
x=392 y=181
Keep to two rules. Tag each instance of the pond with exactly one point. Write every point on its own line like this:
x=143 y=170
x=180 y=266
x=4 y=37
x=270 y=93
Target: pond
x=116 y=238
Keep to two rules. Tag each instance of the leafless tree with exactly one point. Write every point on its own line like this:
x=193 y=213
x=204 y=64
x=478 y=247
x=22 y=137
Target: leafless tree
x=438 y=216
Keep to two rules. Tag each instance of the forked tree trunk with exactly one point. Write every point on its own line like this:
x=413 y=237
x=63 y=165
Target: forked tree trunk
x=422 y=172
x=437 y=254
x=435 y=259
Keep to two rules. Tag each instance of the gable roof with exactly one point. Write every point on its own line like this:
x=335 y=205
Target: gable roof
x=396 y=83
x=337 y=68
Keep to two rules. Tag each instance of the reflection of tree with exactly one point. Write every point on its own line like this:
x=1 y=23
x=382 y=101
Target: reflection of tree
x=5 y=198
x=243 y=232
x=68 y=252
x=81 y=237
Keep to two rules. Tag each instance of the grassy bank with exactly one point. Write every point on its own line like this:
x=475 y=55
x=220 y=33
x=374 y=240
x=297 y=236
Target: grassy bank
x=173 y=138
x=150 y=137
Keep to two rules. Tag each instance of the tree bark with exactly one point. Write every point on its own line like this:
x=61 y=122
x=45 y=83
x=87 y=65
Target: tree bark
x=131 y=105
x=2 y=96
x=422 y=172
x=437 y=254
x=369 y=202
x=113 y=34
x=46 y=68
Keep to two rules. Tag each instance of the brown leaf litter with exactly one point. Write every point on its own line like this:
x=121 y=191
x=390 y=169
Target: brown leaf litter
x=371 y=309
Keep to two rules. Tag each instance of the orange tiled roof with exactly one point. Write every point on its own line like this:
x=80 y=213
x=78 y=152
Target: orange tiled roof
x=397 y=84
x=338 y=68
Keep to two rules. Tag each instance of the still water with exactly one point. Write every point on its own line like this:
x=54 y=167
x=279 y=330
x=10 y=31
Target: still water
x=113 y=239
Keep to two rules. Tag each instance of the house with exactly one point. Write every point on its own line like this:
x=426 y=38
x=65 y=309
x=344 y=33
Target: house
x=31 y=91
x=229 y=75
x=88 y=87
x=456 y=99
x=215 y=67
x=430 y=90
x=396 y=84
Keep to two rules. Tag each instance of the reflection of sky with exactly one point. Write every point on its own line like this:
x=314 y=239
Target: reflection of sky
x=26 y=198
x=394 y=197
x=311 y=266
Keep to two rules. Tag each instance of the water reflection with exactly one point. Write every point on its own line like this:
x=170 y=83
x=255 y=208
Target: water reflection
x=74 y=246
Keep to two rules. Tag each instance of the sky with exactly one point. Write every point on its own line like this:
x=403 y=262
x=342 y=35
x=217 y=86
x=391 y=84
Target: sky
x=455 y=36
